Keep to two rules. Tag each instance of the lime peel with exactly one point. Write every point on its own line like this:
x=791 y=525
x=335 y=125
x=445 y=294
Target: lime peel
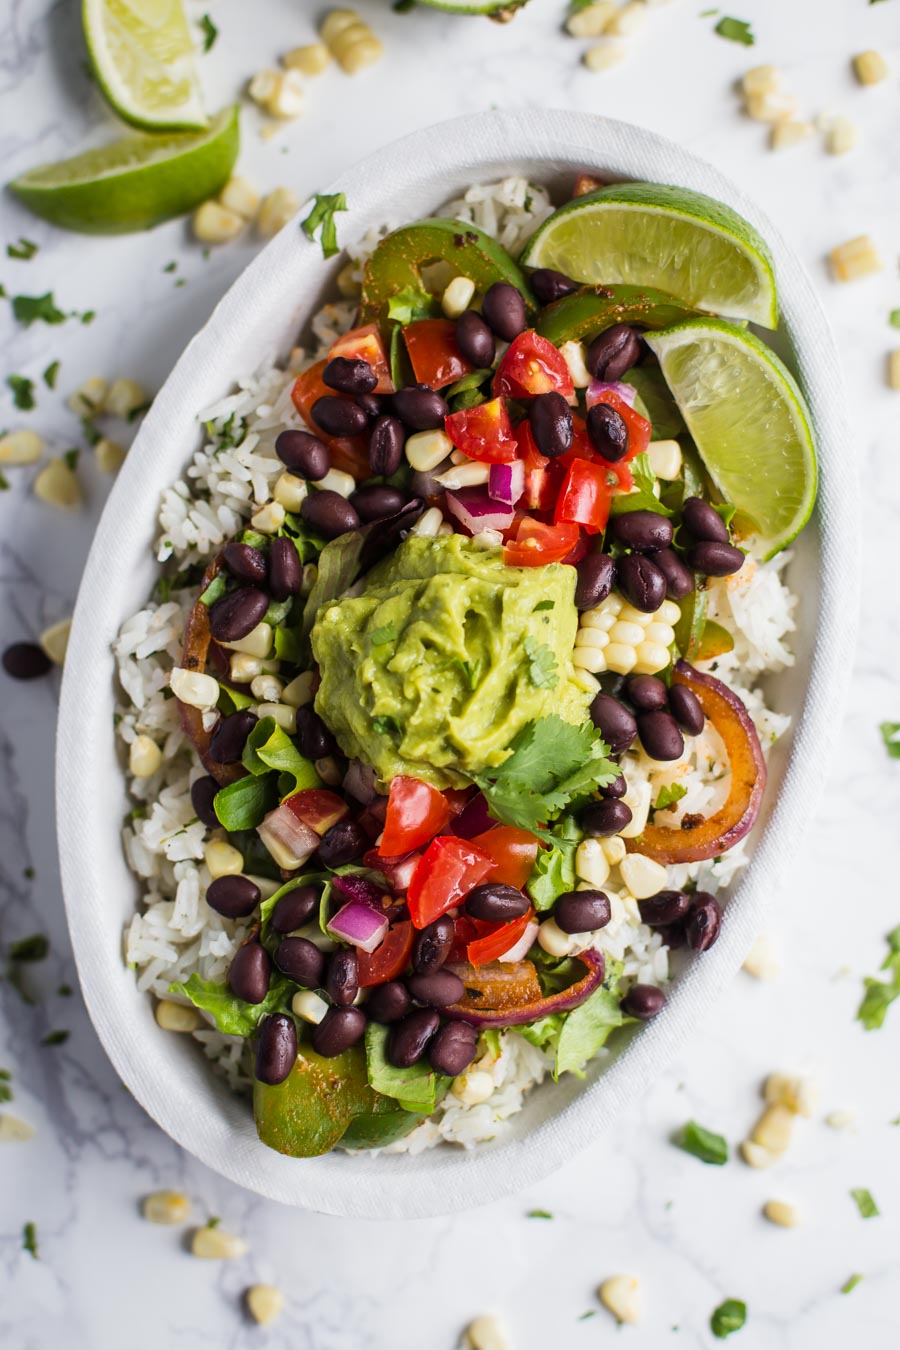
x=143 y=58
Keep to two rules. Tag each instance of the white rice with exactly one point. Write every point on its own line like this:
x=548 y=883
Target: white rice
x=174 y=933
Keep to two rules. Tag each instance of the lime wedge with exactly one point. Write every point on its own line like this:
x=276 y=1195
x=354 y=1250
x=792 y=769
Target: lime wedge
x=749 y=421
x=133 y=183
x=143 y=57
x=646 y=234
x=476 y=6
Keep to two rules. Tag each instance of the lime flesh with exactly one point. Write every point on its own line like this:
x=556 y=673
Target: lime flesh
x=749 y=421
x=143 y=57
x=647 y=234
x=133 y=183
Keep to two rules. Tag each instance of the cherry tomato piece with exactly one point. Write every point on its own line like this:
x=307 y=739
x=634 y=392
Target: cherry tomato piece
x=448 y=869
x=531 y=366
x=585 y=496
x=491 y=946
x=514 y=852
x=433 y=354
x=484 y=433
x=365 y=344
x=416 y=812
x=388 y=960
x=536 y=543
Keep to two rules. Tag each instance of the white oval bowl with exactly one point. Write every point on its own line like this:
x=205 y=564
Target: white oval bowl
x=257 y=319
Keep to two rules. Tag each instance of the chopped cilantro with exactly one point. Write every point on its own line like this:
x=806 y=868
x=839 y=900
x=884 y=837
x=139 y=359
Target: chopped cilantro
x=894 y=318
x=4 y=483
x=541 y=664
x=88 y=316
x=23 y=250
x=210 y=32
x=414 y=303
x=29 y=309
x=539 y=1214
x=542 y=605
x=34 y=948
x=70 y=459
x=28 y=873
x=50 y=374
x=591 y=1312
x=55 y=1038
x=65 y=991
x=880 y=994
x=850 y=1284
x=22 y=391
x=403 y=6
x=381 y=636
x=139 y=411
x=213 y=1221
x=89 y=431
x=6 y=1092
x=29 y=1240
x=669 y=794
x=890 y=734
x=385 y=726
x=728 y=1317
x=865 y=1202
x=702 y=1143
x=470 y=671
x=170 y=266
x=736 y=30
x=324 y=209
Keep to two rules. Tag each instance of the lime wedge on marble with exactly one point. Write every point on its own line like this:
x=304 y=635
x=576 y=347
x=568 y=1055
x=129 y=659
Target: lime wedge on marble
x=749 y=421
x=648 y=234
x=133 y=183
x=143 y=57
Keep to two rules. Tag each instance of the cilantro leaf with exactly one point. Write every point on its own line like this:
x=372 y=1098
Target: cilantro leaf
x=24 y=250
x=380 y=637
x=539 y=1214
x=4 y=483
x=470 y=671
x=669 y=794
x=34 y=948
x=321 y=217
x=50 y=374
x=736 y=30
x=544 y=604
x=703 y=1144
x=385 y=726
x=210 y=32
x=22 y=392
x=865 y=1203
x=70 y=459
x=644 y=498
x=890 y=734
x=29 y=1240
x=728 y=1317
x=410 y=303
x=880 y=994
x=541 y=664
x=55 y=1038
x=28 y=309
x=850 y=1284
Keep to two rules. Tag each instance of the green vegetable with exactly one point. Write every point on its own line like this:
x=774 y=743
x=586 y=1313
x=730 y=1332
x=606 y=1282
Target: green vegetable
x=29 y=1240
x=691 y=625
x=416 y=1089
x=575 y=1037
x=655 y=402
x=338 y=568
x=644 y=498
x=702 y=1143
x=728 y=1317
x=736 y=30
x=322 y=217
x=542 y=666
x=22 y=392
x=233 y=1016
x=880 y=994
x=539 y=1214
x=379 y=637
x=215 y=590
x=232 y=700
x=29 y=309
x=583 y=314
x=669 y=794
x=55 y=1038
x=34 y=948
x=850 y=1284
x=890 y=734
x=270 y=747
x=6 y=1092
x=50 y=374
x=384 y=1124
x=24 y=250
x=307 y=543
x=410 y=304
x=554 y=868
x=865 y=1203
x=243 y=804
x=210 y=32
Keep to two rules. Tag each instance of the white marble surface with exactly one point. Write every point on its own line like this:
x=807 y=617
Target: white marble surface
x=106 y=1280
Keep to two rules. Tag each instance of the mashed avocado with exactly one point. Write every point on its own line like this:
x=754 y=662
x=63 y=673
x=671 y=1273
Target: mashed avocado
x=445 y=655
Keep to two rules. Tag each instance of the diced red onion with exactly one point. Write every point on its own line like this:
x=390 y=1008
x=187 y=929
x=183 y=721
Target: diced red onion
x=473 y=819
x=476 y=510
x=523 y=946
x=359 y=782
x=352 y=886
x=598 y=387
x=507 y=482
x=288 y=839
x=399 y=871
x=358 y=924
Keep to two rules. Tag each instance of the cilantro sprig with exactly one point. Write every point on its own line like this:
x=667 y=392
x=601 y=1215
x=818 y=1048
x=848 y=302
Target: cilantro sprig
x=322 y=218
x=880 y=994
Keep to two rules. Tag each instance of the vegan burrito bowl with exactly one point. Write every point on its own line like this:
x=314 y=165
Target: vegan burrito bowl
x=443 y=725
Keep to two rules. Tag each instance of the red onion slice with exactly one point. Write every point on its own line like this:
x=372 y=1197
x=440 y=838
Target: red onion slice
x=598 y=387
x=358 y=924
x=476 y=510
x=507 y=482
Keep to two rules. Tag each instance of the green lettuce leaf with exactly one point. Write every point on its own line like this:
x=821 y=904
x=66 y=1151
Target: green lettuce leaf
x=417 y=1088
x=233 y=1016
x=243 y=804
x=270 y=747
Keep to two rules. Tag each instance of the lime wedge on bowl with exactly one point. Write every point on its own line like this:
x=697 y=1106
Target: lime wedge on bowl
x=133 y=183
x=749 y=422
x=475 y=6
x=143 y=57
x=678 y=241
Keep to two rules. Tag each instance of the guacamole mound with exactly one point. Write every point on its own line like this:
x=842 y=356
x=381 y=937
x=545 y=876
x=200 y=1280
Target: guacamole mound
x=444 y=656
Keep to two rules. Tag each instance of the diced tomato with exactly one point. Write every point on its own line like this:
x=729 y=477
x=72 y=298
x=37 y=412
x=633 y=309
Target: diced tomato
x=398 y=871
x=365 y=344
x=491 y=946
x=465 y=930
x=448 y=869
x=531 y=366
x=416 y=812
x=585 y=183
x=433 y=354
x=639 y=428
x=318 y=808
x=350 y=453
x=484 y=433
x=388 y=960
x=536 y=543
x=542 y=475
x=623 y=476
x=585 y=496
x=514 y=852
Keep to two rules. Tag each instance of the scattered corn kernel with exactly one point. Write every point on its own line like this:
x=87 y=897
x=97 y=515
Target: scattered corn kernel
x=124 y=397
x=300 y=690
x=425 y=450
x=109 y=455
x=854 y=259
x=553 y=940
x=287 y=99
x=485 y=1333
x=263 y=85
x=642 y=875
x=258 y=641
x=430 y=521
x=243 y=668
x=88 y=399
x=176 y=1017
x=665 y=459
x=762 y=959
x=194 y=688
x=592 y=20
x=307 y=1004
x=621 y=1295
x=356 y=47
x=628 y=20
x=771 y=107
x=604 y=55
x=336 y=21
x=774 y=1128
x=457 y=297
x=893 y=372
x=784 y=135
x=474 y=1087
x=290 y=491
x=214 y=224
x=780 y=1212
x=55 y=639
x=310 y=59
x=240 y=196
x=870 y=67
x=222 y=859
x=166 y=1207
x=144 y=757
x=269 y=518
x=20 y=447
x=57 y=485
x=799 y=1094
x=266 y=688
x=760 y=80
x=13 y=1129
x=277 y=209
x=841 y=1119
x=755 y=1155
x=264 y=1303
x=336 y=480
x=285 y=716
x=841 y=136
x=214 y=1244
x=590 y=862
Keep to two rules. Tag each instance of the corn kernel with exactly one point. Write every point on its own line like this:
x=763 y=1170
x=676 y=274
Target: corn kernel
x=553 y=940
x=870 y=67
x=772 y=107
x=893 y=369
x=109 y=455
x=329 y=770
x=592 y=20
x=457 y=297
x=307 y=1004
x=784 y=135
x=474 y=1087
x=336 y=21
x=430 y=521
x=213 y=224
x=284 y=715
x=573 y=354
x=614 y=849
x=590 y=862
x=629 y=633
x=300 y=690
x=264 y=1303
x=124 y=397
x=425 y=450
x=469 y=474
x=665 y=459
x=88 y=399
x=266 y=688
x=841 y=136
x=13 y=1129
x=762 y=959
x=168 y=1207
x=20 y=447
x=348 y=283
x=841 y=1119
x=588 y=636
x=57 y=485
x=336 y=480
x=854 y=259
x=628 y=20
x=661 y=633
x=290 y=491
x=277 y=209
x=781 y=1213
x=760 y=80
x=628 y=614
x=598 y=618
x=799 y=1094
x=176 y=1017
x=55 y=639
x=485 y=1333
x=754 y=1155
x=356 y=47
x=194 y=688
x=263 y=85
x=642 y=875
x=638 y=798
x=240 y=196
x=585 y=680
x=620 y=658
x=287 y=100
x=649 y=657
x=269 y=518
x=620 y=1294
x=214 y=1244
x=604 y=55
x=590 y=659
x=144 y=757
x=242 y=668
x=774 y=1128
x=310 y=59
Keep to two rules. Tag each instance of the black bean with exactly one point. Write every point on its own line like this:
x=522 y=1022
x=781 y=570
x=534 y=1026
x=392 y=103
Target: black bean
x=646 y=692
x=233 y=896
x=338 y=416
x=582 y=911
x=596 y=576
x=285 y=569
x=432 y=946
x=703 y=521
x=203 y=791
x=303 y=454
x=702 y=924
x=237 y=614
x=316 y=741
x=612 y=683
x=549 y=285
x=301 y=961
x=226 y=744
x=419 y=407
x=614 y=722
x=613 y=353
x=26 y=661
x=645 y=531
x=664 y=908
x=616 y=789
x=386 y=446
x=248 y=977
x=679 y=578
x=329 y=513
x=714 y=559
x=608 y=432
x=503 y=307
x=377 y=503
x=349 y=375
x=660 y=735
x=388 y=1002
x=643 y=1001
x=342 y=977
x=550 y=418
x=371 y=404
x=641 y=582
x=475 y=340
x=495 y=902
x=343 y=843
x=439 y=988
x=245 y=562
x=605 y=818
x=339 y=1030
x=276 y=1048
x=408 y=1039
x=453 y=1048
x=294 y=909
x=686 y=709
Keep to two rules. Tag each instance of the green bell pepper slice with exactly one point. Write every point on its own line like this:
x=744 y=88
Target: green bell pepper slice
x=591 y=310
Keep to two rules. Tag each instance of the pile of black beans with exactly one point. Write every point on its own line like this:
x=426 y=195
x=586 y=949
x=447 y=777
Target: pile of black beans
x=642 y=706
